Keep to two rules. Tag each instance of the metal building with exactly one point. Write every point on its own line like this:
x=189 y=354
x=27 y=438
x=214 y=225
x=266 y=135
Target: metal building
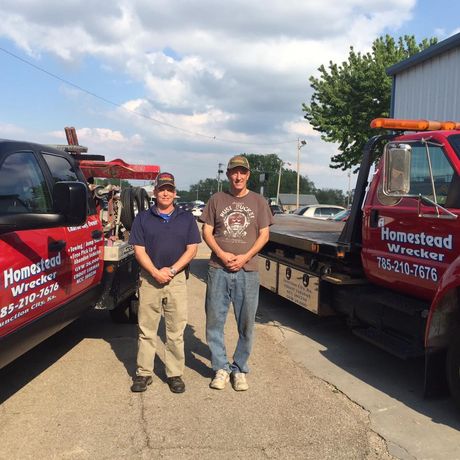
x=427 y=85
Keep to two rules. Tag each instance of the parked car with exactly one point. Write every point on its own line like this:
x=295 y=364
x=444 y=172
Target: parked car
x=185 y=205
x=318 y=211
x=197 y=210
x=276 y=209
x=341 y=216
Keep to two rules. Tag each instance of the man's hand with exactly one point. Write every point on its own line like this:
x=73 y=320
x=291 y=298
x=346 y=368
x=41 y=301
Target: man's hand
x=227 y=258
x=237 y=263
x=163 y=275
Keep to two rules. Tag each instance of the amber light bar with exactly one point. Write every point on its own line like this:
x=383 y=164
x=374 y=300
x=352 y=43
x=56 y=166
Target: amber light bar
x=413 y=125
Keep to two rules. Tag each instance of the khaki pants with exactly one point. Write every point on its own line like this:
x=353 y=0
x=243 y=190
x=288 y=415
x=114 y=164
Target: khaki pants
x=172 y=299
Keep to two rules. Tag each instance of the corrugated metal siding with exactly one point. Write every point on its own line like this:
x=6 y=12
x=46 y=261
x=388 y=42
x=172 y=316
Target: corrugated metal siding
x=430 y=89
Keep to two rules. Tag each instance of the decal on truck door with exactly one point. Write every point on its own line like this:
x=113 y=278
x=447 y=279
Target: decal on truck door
x=84 y=243
x=406 y=246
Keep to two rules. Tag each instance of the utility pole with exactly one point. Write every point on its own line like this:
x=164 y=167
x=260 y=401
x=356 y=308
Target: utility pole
x=282 y=163
x=219 y=172
x=349 y=191
x=300 y=144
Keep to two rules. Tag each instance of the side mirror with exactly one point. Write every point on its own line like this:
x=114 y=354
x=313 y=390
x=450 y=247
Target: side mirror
x=70 y=210
x=397 y=166
x=71 y=200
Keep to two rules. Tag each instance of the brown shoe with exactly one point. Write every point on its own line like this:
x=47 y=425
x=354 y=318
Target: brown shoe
x=140 y=383
x=176 y=384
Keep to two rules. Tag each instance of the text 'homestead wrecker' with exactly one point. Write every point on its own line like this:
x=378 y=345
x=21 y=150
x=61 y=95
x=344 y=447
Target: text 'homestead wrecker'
x=393 y=268
x=63 y=239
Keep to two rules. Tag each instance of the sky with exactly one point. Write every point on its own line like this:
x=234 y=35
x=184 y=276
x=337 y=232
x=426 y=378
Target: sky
x=187 y=85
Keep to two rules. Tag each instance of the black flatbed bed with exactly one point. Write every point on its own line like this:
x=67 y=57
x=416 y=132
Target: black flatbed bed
x=303 y=233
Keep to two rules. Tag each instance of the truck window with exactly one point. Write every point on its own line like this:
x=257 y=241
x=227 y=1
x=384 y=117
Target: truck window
x=62 y=170
x=420 y=172
x=23 y=186
x=455 y=143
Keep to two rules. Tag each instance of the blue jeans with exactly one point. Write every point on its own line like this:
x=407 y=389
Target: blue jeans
x=242 y=289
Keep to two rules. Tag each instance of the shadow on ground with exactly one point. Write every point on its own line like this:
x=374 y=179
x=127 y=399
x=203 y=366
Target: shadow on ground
x=400 y=379
x=96 y=324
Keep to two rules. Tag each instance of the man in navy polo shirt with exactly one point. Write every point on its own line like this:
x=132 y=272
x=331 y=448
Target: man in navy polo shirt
x=165 y=240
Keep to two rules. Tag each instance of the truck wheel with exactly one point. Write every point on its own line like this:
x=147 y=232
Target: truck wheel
x=143 y=200
x=453 y=368
x=125 y=312
x=129 y=207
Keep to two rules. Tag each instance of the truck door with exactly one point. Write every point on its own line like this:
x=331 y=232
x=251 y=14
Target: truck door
x=33 y=279
x=401 y=249
x=83 y=244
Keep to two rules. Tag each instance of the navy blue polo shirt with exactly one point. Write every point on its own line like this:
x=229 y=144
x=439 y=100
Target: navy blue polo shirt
x=164 y=240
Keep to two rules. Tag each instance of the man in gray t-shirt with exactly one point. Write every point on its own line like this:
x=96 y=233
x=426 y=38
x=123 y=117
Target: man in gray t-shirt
x=236 y=228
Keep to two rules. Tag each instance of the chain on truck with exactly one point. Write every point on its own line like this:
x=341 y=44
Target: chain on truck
x=63 y=239
x=393 y=268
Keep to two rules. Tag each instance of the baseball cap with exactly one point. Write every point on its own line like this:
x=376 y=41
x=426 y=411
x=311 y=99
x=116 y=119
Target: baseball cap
x=238 y=160
x=165 y=178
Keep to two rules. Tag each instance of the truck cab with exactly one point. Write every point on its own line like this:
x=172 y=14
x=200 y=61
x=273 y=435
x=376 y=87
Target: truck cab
x=410 y=230
x=50 y=240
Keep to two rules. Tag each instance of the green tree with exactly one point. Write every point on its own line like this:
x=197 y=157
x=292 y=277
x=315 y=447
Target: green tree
x=267 y=164
x=288 y=183
x=205 y=188
x=347 y=97
x=270 y=165
x=330 y=196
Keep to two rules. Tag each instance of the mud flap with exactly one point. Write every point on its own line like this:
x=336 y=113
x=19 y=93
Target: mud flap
x=435 y=383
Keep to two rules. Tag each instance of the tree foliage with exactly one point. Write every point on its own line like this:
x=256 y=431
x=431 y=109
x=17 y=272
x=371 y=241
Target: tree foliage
x=347 y=97
x=269 y=165
x=331 y=196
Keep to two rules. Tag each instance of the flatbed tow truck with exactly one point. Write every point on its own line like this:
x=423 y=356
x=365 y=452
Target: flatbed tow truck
x=393 y=268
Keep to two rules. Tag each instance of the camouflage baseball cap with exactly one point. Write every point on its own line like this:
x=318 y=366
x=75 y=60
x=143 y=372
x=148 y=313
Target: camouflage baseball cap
x=165 y=178
x=238 y=160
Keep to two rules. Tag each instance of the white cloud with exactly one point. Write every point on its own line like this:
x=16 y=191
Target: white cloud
x=234 y=70
x=11 y=131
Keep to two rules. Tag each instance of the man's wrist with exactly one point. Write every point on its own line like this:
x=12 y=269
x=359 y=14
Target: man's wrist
x=173 y=271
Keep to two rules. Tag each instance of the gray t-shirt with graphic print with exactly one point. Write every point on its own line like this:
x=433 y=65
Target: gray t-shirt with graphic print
x=237 y=222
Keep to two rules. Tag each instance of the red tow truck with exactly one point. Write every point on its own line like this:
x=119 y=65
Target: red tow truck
x=63 y=240
x=393 y=268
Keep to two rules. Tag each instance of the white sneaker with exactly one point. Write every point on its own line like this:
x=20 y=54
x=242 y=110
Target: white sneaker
x=220 y=380
x=239 y=382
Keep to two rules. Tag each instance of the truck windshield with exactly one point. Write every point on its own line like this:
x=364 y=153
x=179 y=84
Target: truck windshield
x=442 y=170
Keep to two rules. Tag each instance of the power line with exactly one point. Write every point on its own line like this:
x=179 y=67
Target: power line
x=148 y=117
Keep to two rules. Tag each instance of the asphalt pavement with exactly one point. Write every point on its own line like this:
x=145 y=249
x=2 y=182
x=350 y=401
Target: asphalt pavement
x=69 y=398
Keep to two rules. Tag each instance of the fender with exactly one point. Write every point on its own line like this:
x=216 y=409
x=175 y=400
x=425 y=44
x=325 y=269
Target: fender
x=444 y=315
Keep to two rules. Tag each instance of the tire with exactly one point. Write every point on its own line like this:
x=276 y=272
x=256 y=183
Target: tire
x=125 y=312
x=143 y=200
x=453 y=368
x=129 y=207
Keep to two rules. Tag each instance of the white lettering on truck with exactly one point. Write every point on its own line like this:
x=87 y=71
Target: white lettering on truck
x=420 y=239
x=11 y=276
